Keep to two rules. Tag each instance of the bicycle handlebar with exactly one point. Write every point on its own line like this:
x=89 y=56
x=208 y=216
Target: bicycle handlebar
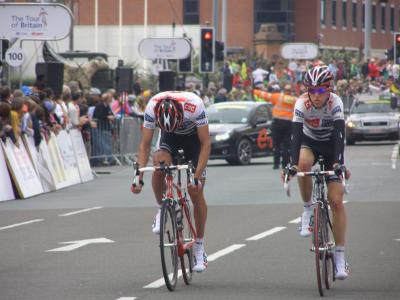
x=163 y=168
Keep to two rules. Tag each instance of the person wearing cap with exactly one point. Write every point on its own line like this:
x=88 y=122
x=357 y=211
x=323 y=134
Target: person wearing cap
x=282 y=113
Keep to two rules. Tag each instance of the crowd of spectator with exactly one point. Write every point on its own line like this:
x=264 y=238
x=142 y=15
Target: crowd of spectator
x=37 y=111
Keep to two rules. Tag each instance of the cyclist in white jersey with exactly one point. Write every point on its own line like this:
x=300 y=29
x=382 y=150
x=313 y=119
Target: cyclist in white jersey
x=183 y=122
x=318 y=129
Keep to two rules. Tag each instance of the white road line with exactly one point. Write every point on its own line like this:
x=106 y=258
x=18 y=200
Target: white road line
x=265 y=233
x=21 y=224
x=395 y=155
x=127 y=298
x=397 y=240
x=80 y=211
x=295 y=221
x=160 y=282
x=225 y=251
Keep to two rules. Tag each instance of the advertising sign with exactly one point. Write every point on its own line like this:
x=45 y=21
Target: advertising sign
x=299 y=51
x=32 y=21
x=165 y=48
x=6 y=189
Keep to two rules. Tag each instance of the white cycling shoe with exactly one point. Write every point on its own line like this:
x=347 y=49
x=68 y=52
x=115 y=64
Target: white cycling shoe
x=200 y=258
x=156 y=223
x=306 y=224
x=342 y=271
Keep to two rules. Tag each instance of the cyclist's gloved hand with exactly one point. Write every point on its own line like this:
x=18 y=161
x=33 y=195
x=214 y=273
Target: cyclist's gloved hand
x=339 y=169
x=290 y=171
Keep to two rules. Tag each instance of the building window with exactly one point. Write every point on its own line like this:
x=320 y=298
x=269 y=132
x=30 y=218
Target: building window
x=392 y=18
x=191 y=12
x=323 y=12
x=279 y=12
x=333 y=12
x=363 y=16
x=344 y=13
x=354 y=14
x=374 y=17
x=383 y=17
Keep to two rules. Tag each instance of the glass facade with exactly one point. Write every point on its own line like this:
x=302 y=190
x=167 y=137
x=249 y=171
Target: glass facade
x=279 y=12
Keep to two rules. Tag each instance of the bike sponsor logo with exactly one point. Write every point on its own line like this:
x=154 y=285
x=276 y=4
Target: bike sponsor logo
x=148 y=118
x=189 y=107
x=201 y=116
x=336 y=110
x=299 y=113
x=313 y=122
x=326 y=123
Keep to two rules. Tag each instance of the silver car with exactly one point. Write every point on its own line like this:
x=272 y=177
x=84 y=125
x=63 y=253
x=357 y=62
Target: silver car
x=371 y=119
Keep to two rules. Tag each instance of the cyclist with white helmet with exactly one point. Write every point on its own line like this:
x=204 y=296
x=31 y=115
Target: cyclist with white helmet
x=183 y=122
x=318 y=129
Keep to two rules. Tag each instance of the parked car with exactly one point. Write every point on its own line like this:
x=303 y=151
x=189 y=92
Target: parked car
x=372 y=118
x=240 y=131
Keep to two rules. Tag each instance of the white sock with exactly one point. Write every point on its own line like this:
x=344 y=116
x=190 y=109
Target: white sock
x=339 y=255
x=307 y=206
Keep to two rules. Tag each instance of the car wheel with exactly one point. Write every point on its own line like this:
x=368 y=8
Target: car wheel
x=243 y=152
x=350 y=141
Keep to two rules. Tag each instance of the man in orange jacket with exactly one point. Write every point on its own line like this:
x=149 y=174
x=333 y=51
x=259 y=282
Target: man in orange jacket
x=282 y=113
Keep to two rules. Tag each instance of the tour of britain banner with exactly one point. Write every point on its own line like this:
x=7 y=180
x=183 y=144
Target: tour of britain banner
x=6 y=189
x=22 y=170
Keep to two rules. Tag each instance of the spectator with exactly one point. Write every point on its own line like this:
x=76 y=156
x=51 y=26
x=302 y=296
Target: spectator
x=221 y=96
x=6 y=129
x=5 y=94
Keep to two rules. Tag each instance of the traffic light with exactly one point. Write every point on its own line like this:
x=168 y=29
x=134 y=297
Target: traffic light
x=396 y=46
x=389 y=53
x=207 y=50
x=219 y=51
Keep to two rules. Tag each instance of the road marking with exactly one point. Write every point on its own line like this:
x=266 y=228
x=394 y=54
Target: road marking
x=395 y=155
x=265 y=233
x=127 y=298
x=397 y=240
x=21 y=224
x=225 y=251
x=160 y=282
x=80 y=211
x=77 y=244
x=295 y=221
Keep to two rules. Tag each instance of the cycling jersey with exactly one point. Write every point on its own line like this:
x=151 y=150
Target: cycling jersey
x=194 y=114
x=320 y=126
x=318 y=122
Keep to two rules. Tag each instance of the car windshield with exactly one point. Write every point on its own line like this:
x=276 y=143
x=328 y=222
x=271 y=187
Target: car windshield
x=372 y=107
x=228 y=113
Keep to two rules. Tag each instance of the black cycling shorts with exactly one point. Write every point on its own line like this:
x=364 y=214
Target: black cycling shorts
x=324 y=149
x=190 y=144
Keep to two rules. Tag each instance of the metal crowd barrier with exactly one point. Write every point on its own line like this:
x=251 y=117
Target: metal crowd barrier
x=116 y=142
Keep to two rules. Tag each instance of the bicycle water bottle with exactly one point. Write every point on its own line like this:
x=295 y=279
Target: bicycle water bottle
x=178 y=213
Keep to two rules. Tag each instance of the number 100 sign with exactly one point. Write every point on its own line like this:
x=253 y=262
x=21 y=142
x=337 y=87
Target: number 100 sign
x=15 y=56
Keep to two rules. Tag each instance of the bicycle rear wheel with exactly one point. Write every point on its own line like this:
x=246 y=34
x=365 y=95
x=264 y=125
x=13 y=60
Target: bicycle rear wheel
x=187 y=236
x=317 y=243
x=168 y=245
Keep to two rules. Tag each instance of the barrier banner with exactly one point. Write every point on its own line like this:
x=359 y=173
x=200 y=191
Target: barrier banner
x=6 y=189
x=57 y=163
x=31 y=149
x=22 y=170
x=69 y=159
x=81 y=156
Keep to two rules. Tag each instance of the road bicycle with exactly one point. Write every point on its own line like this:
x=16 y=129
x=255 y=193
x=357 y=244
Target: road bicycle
x=177 y=233
x=323 y=245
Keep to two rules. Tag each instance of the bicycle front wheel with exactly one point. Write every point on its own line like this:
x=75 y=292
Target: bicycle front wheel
x=329 y=261
x=187 y=236
x=168 y=245
x=317 y=244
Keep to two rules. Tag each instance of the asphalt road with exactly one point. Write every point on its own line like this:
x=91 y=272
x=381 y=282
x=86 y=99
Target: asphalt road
x=121 y=257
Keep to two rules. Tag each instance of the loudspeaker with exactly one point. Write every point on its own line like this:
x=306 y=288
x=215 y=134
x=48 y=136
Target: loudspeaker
x=124 y=79
x=166 y=81
x=51 y=74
